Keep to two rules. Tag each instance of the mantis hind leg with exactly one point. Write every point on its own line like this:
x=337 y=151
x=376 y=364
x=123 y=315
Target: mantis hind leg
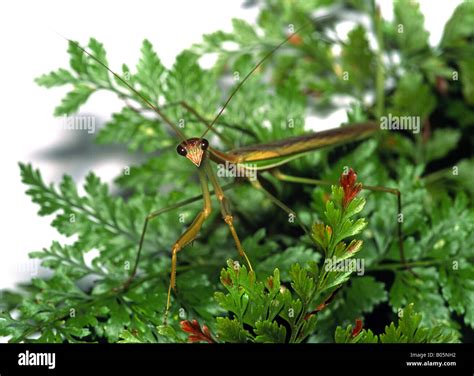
x=301 y=180
x=257 y=185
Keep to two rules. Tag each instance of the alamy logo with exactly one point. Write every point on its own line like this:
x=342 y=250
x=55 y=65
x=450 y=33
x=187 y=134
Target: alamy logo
x=37 y=359
x=232 y=170
x=346 y=265
x=78 y=123
x=393 y=122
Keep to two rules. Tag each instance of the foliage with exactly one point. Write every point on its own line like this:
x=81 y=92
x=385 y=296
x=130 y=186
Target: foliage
x=399 y=75
x=256 y=309
x=408 y=330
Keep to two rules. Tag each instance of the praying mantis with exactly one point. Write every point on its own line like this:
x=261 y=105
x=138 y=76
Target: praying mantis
x=254 y=160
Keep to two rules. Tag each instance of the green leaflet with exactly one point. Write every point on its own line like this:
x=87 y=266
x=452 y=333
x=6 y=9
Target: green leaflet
x=409 y=21
x=258 y=304
x=457 y=29
x=357 y=58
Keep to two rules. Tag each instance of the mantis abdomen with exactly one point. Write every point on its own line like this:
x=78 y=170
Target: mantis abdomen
x=276 y=153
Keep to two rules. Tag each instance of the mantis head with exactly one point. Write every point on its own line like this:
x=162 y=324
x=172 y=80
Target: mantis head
x=193 y=149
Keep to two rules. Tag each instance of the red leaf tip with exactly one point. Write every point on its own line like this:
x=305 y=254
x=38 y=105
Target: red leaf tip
x=196 y=333
x=357 y=328
x=350 y=186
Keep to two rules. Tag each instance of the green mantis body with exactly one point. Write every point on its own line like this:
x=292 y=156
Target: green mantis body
x=256 y=159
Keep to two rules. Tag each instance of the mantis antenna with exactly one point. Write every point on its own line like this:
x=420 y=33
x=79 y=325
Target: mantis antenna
x=140 y=95
x=270 y=53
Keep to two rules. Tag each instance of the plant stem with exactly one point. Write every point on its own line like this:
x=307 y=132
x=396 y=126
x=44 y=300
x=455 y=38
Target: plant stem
x=395 y=266
x=438 y=175
x=380 y=74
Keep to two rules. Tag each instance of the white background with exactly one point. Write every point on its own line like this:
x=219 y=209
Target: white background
x=30 y=46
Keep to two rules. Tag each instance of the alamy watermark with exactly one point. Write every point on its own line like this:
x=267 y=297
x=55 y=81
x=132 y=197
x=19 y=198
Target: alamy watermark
x=347 y=265
x=30 y=267
x=37 y=359
x=78 y=123
x=232 y=170
x=393 y=122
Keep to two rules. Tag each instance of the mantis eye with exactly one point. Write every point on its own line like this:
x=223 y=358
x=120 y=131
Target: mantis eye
x=181 y=150
x=204 y=144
